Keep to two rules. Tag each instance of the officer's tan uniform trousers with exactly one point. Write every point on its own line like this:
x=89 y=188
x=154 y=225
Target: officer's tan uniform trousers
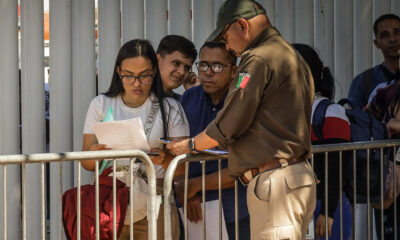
x=281 y=202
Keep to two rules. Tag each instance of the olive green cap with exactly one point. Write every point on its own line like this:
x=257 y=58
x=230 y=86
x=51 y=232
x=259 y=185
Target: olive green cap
x=232 y=10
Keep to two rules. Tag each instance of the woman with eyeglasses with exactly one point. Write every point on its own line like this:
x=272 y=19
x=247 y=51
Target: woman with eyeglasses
x=136 y=91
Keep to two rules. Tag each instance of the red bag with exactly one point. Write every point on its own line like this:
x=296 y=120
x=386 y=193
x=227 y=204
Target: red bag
x=88 y=210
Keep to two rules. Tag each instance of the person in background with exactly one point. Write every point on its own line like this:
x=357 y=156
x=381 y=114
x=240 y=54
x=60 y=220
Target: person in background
x=136 y=91
x=385 y=106
x=336 y=129
x=176 y=55
x=387 y=40
x=216 y=68
x=265 y=123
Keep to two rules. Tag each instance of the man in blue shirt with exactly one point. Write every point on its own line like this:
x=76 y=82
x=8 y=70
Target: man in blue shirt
x=217 y=68
x=387 y=39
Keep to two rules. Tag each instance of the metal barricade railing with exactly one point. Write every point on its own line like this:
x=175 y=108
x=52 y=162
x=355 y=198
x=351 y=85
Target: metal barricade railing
x=168 y=181
x=112 y=155
x=354 y=147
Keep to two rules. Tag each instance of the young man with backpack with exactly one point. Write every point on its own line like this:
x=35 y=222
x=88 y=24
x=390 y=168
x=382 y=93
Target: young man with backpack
x=387 y=39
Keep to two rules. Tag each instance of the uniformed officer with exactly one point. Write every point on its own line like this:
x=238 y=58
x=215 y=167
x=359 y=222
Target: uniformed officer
x=265 y=123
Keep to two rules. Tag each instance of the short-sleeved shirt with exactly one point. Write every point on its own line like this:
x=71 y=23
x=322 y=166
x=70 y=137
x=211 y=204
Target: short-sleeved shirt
x=266 y=115
x=200 y=111
x=177 y=122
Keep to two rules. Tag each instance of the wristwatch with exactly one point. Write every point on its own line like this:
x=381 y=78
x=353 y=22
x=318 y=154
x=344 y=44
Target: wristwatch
x=191 y=145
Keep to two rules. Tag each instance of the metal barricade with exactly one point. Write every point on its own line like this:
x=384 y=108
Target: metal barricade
x=168 y=181
x=112 y=155
x=354 y=147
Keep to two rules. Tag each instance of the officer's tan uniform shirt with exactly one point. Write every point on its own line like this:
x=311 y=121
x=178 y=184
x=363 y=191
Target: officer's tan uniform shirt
x=267 y=117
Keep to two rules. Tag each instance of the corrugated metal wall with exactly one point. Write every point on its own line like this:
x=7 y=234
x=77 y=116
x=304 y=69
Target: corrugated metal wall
x=340 y=30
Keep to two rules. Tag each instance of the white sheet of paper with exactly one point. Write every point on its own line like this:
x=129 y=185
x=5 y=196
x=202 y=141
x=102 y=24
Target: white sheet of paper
x=123 y=134
x=195 y=230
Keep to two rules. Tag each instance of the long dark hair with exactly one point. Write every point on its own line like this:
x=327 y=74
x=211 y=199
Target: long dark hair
x=323 y=79
x=139 y=48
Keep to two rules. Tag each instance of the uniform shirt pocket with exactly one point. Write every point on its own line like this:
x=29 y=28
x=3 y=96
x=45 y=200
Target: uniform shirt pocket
x=299 y=180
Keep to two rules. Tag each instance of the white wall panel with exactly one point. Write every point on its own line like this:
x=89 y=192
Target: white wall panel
x=304 y=22
x=32 y=107
x=363 y=40
x=156 y=21
x=84 y=69
x=269 y=6
x=203 y=20
x=395 y=6
x=61 y=126
x=109 y=40
x=380 y=7
x=324 y=32
x=9 y=116
x=217 y=4
x=285 y=19
x=179 y=22
x=132 y=19
x=344 y=61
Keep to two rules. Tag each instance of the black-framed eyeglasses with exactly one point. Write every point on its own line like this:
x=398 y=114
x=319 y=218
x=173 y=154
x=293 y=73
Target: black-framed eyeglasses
x=143 y=79
x=222 y=39
x=215 y=67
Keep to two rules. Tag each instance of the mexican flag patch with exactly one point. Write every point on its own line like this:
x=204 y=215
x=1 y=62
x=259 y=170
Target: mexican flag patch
x=243 y=80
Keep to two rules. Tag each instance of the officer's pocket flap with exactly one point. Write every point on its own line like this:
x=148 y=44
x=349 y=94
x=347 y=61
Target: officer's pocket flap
x=299 y=180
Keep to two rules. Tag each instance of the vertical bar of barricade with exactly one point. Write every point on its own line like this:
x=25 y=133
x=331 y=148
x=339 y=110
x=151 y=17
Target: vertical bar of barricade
x=395 y=193
x=236 y=211
x=381 y=193
x=78 y=209
x=169 y=174
x=60 y=233
x=4 y=201
x=114 y=201
x=151 y=201
x=185 y=198
x=368 y=199
x=97 y=208
x=203 y=192
x=326 y=196
x=43 y=199
x=354 y=194
x=312 y=161
x=23 y=202
x=340 y=192
x=219 y=200
x=131 y=199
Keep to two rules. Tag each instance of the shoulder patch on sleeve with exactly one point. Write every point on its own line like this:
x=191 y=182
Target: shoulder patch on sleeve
x=243 y=79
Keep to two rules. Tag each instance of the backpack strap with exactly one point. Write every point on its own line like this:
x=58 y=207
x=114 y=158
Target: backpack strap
x=367 y=86
x=319 y=117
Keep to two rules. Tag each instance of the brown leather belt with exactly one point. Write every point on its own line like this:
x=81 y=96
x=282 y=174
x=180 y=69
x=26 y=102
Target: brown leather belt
x=278 y=163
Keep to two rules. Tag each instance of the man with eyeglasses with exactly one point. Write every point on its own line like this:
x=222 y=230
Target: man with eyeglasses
x=216 y=69
x=265 y=123
x=175 y=55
